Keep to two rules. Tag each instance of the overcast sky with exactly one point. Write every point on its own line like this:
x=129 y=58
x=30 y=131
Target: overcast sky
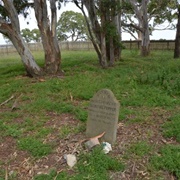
x=30 y=23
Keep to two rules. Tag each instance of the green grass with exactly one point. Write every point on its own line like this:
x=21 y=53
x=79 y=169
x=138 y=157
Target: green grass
x=141 y=85
x=34 y=146
x=139 y=149
x=172 y=127
x=93 y=165
x=168 y=160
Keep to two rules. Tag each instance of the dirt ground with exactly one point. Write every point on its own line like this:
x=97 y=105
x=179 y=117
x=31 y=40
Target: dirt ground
x=26 y=167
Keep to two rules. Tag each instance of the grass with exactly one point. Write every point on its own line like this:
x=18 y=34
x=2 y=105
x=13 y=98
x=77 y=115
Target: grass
x=34 y=146
x=172 y=127
x=93 y=165
x=140 y=84
x=168 y=160
x=139 y=149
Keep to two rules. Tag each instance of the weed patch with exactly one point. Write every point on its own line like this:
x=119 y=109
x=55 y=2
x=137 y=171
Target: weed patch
x=34 y=146
x=168 y=160
x=171 y=128
x=139 y=149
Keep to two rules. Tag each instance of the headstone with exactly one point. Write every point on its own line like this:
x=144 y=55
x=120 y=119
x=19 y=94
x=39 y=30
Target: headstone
x=103 y=115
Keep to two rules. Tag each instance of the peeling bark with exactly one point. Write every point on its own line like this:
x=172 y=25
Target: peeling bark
x=142 y=16
x=48 y=34
x=12 y=31
x=145 y=30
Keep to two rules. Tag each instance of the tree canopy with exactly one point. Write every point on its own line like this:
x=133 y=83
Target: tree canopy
x=72 y=26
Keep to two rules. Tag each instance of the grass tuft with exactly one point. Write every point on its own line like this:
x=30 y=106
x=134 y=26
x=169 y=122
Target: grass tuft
x=172 y=127
x=34 y=146
x=168 y=160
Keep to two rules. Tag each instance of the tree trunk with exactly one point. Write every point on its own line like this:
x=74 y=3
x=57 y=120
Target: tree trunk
x=103 y=36
x=177 y=40
x=142 y=16
x=112 y=58
x=48 y=34
x=145 y=51
x=117 y=49
x=27 y=58
x=101 y=14
x=12 y=31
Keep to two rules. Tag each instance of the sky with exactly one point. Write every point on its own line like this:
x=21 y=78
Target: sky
x=30 y=23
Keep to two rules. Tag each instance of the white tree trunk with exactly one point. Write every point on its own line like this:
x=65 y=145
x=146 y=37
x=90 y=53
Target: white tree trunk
x=13 y=32
x=142 y=16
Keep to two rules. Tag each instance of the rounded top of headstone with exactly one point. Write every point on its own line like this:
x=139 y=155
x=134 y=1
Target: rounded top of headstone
x=105 y=94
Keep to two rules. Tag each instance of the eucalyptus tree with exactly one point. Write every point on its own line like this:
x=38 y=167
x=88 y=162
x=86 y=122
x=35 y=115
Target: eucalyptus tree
x=143 y=17
x=36 y=37
x=47 y=25
x=26 y=34
x=101 y=19
x=71 y=25
x=140 y=9
x=31 y=35
x=9 y=26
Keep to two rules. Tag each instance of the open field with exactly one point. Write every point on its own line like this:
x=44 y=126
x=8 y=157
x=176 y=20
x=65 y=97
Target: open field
x=43 y=119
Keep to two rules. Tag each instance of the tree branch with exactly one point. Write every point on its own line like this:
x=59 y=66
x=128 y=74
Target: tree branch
x=132 y=25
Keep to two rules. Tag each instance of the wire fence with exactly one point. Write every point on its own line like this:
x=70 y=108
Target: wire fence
x=87 y=45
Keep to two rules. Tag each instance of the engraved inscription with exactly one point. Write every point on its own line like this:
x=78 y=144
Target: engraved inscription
x=103 y=114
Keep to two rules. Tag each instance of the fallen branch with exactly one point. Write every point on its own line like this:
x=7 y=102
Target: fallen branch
x=7 y=101
x=15 y=104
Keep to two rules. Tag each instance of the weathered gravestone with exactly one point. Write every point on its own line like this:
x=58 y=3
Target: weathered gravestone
x=103 y=115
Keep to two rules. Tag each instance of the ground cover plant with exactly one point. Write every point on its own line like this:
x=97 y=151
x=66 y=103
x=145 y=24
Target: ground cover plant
x=43 y=119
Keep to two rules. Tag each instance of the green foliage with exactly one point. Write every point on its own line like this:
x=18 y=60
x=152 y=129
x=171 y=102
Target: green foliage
x=26 y=34
x=172 y=127
x=71 y=25
x=168 y=160
x=164 y=8
x=34 y=146
x=21 y=6
x=31 y=35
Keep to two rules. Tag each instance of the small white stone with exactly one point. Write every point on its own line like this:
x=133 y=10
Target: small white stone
x=71 y=160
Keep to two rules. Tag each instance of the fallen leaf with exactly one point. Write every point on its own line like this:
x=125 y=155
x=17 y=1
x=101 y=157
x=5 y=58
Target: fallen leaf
x=98 y=136
x=42 y=80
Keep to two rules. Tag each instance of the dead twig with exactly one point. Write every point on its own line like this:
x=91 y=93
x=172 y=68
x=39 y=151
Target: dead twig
x=7 y=101
x=71 y=97
x=77 y=145
x=133 y=169
x=6 y=174
x=15 y=104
